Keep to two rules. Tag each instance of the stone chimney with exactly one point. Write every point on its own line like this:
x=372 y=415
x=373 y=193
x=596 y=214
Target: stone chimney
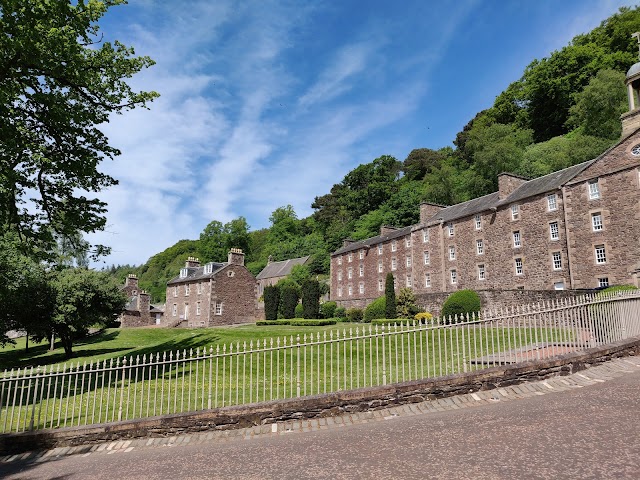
x=428 y=210
x=192 y=262
x=509 y=183
x=236 y=257
x=270 y=260
x=386 y=230
x=143 y=302
x=131 y=281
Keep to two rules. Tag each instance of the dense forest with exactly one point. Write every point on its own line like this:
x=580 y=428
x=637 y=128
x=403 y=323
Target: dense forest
x=564 y=110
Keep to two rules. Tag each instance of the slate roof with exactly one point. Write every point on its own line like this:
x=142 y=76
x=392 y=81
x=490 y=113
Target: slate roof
x=282 y=268
x=197 y=273
x=465 y=209
x=366 y=243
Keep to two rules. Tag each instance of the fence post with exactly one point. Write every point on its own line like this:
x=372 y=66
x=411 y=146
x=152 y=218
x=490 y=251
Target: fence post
x=124 y=364
x=298 y=366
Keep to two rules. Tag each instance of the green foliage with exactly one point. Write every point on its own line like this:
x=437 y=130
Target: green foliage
x=354 y=315
x=341 y=313
x=312 y=323
x=390 y=296
x=406 y=303
x=393 y=321
x=328 y=309
x=460 y=303
x=423 y=317
x=271 y=302
x=263 y=323
x=614 y=289
x=375 y=310
x=59 y=82
x=288 y=301
x=299 y=311
x=217 y=239
x=310 y=299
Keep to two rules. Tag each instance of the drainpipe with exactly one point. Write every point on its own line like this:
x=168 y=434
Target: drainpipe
x=566 y=236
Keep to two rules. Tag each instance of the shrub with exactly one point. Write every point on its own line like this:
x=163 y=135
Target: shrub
x=614 y=289
x=288 y=301
x=310 y=299
x=328 y=309
x=354 y=315
x=340 y=313
x=262 y=323
x=392 y=321
x=375 y=309
x=460 y=303
x=298 y=310
x=390 y=296
x=406 y=303
x=423 y=317
x=313 y=323
x=271 y=302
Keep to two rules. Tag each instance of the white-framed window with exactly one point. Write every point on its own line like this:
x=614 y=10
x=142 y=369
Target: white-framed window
x=361 y=254
x=481 y=272
x=380 y=285
x=198 y=308
x=454 y=277
x=425 y=235
x=218 y=308
x=380 y=266
x=350 y=290
x=199 y=288
x=339 y=275
x=515 y=211
x=361 y=287
x=407 y=242
x=409 y=281
x=174 y=309
x=394 y=246
x=450 y=230
x=208 y=268
x=339 y=290
x=596 y=221
x=350 y=273
x=452 y=252
x=552 y=202
x=516 y=239
x=594 y=189
x=361 y=270
x=380 y=249
x=427 y=258
x=601 y=254
x=175 y=290
x=558 y=286
x=427 y=280
x=187 y=289
x=339 y=260
x=350 y=258
x=554 y=233
x=478 y=222
x=556 y=259
x=603 y=282
x=184 y=272
x=408 y=261
x=479 y=247
x=518 y=264
x=394 y=263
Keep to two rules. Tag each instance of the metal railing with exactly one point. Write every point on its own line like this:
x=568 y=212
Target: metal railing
x=308 y=364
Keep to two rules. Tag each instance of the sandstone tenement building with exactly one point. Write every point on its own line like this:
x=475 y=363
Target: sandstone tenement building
x=275 y=271
x=212 y=294
x=138 y=312
x=577 y=228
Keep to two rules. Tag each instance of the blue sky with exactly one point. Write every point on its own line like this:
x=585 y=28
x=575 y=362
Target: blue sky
x=267 y=103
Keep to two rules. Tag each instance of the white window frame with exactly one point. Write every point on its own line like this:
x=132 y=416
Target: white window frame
x=187 y=289
x=519 y=268
x=394 y=263
x=174 y=310
x=482 y=274
x=339 y=275
x=515 y=211
x=380 y=266
x=554 y=231
x=425 y=235
x=175 y=290
x=453 y=274
x=517 y=239
x=350 y=257
x=558 y=286
x=394 y=246
x=596 y=222
x=452 y=252
x=198 y=308
x=350 y=273
x=208 y=268
x=427 y=257
x=478 y=222
x=218 y=308
x=600 y=253
x=380 y=249
x=361 y=288
x=199 y=288
x=408 y=281
x=339 y=261
x=408 y=262
x=184 y=272
x=407 y=242
x=361 y=270
x=450 y=229
x=552 y=202
x=339 y=290
x=380 y=285
x=556 y=260
x=480 y=247
x=603 y=282
x=427 y=280
x=361 y=254
x=350 y=290
x=593 y=188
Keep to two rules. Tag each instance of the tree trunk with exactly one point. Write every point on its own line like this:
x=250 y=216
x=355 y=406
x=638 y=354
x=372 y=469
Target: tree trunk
x=26 y=343
x=67 y=343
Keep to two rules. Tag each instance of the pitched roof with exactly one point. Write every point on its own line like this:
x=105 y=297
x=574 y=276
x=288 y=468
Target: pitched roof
x=197 y=273
x=366 y=243
x=465 y=209
x=282 y=268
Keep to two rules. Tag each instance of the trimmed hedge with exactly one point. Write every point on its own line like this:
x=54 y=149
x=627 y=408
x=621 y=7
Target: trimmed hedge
x=262 y=323
x=313 y=323
x=393 y=321
x=460 y=303
x=375 y=309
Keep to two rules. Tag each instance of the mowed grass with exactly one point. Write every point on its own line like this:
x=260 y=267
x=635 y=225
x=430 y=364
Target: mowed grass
x=115 y=342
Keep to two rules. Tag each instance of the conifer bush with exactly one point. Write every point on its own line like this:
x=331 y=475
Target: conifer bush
x=271 y=302
x=310 y=299
x=390 y=296
x=288 y=301
x=460 y=303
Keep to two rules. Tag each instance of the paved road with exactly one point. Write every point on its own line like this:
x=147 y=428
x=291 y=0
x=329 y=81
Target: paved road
x=582 y=426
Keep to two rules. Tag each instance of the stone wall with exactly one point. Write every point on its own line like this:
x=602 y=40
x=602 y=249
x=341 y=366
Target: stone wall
x=318 y=406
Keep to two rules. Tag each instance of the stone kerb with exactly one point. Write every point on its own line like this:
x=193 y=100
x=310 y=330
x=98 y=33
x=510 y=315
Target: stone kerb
x=319 y=406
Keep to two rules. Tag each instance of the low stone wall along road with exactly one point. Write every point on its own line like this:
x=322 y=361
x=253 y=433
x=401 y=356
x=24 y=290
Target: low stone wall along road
x=584 y=425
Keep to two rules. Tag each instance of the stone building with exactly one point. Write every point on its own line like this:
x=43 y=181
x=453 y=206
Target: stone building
x=212 y=294
x=275 y=271
x=138 y=312
x=577 y=228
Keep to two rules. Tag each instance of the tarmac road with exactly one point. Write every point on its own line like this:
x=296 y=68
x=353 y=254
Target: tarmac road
x=588 y=430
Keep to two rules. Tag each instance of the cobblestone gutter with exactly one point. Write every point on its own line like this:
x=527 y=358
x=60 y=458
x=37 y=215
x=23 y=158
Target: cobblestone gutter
x=318 y=406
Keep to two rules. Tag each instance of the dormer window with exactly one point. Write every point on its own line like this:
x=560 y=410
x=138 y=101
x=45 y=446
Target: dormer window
x=208 y=268
x=184 y=272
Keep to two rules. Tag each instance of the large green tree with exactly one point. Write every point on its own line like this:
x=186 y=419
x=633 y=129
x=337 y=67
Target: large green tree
x=59 y=81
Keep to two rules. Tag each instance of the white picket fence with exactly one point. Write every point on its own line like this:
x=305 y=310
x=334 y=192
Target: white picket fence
x=308 y=364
